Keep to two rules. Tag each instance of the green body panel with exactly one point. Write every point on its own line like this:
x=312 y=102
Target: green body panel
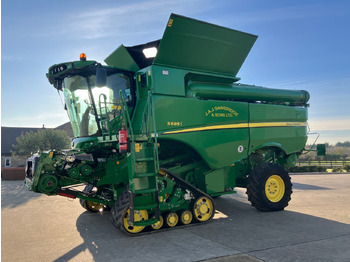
x=121 y=58
x=185 y=121
x=196 y=45
x=168 y=81
x=291 y=138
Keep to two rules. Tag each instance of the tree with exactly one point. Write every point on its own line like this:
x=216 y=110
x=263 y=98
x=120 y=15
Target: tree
x=45 y=139
x=345 y=144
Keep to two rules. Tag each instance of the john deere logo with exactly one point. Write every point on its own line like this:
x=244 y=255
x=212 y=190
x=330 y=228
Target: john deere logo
x=221 y=111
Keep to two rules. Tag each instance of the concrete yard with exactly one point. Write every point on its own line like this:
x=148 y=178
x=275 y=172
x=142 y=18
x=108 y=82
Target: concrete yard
x=314 y=227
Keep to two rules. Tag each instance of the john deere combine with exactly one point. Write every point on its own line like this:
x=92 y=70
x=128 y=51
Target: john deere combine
x=164 y=127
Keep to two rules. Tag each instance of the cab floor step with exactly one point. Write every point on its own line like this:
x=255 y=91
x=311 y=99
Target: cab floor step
x=140 y=175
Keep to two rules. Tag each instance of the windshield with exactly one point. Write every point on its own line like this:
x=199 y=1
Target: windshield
x=90 y=107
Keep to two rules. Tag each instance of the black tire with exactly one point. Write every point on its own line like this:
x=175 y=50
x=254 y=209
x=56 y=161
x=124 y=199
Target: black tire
x=259 y=193
x=120 y=211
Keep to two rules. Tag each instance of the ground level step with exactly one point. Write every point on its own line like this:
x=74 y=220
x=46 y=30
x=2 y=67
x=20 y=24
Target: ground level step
x=146 y=159
x=145 y=191
x=146 y=207
x=146 y=222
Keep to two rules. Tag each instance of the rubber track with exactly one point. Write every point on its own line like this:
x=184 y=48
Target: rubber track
x=123 y=203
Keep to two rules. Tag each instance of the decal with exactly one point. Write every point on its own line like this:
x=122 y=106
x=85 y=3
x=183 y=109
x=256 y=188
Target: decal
x=174 y=123
x=138 y=147
x=170 y=23
x=221 y=111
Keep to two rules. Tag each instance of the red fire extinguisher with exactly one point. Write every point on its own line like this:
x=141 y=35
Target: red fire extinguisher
x=123 y=140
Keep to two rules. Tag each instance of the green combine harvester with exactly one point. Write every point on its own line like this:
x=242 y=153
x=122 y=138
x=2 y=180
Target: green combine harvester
x=164 y=128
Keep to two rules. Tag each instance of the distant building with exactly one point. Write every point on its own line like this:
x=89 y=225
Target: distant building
x=8 y=139
x=68 y=128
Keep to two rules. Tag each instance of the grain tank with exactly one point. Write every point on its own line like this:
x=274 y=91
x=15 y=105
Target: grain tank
x=165 y=126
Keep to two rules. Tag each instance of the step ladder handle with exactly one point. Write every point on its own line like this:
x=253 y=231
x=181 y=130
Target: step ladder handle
x=131 y=207
x=157 y=210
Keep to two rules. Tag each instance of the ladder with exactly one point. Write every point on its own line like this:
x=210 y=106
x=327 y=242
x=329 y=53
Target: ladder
x=102 y=100
x=143 y=166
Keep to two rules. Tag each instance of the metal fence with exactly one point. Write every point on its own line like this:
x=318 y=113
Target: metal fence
x=325 y=163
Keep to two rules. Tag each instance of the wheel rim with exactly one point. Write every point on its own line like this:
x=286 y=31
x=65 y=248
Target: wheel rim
x=203 y=209
x=172 y=219
x=139 y=215
x=274 y=188
x=186 y=217
x=158 y=224
x=94 y=206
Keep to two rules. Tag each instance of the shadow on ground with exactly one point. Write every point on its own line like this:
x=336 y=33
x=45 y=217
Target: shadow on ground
x=236 y=228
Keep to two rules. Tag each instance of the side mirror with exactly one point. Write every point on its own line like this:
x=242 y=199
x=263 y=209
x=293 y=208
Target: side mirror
x=101 y=76
x=321 y=150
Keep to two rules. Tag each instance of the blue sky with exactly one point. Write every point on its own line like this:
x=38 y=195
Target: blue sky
x=301 y=45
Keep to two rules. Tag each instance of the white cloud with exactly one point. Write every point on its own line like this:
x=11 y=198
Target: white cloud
x=330 y=124
x=134 y=18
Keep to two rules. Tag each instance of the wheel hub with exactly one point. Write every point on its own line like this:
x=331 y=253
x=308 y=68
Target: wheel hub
x=274 y=188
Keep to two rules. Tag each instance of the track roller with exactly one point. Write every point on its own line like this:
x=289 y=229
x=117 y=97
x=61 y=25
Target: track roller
x=186 y=217
x=203 y=209
x=158 y=224
x=171 y=219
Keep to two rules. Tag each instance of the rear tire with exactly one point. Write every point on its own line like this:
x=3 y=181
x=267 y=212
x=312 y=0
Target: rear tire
x=269 y=187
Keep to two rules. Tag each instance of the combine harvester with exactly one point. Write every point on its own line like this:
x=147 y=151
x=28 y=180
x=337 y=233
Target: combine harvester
x=165 y=127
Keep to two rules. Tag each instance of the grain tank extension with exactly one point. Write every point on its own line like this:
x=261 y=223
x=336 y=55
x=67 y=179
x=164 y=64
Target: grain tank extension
x=165 y=126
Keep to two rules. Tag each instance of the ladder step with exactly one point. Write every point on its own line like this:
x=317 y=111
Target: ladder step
x=144 y=159
x=146 y=207
x=146 y=222
x=145 y=191
x=140 y=175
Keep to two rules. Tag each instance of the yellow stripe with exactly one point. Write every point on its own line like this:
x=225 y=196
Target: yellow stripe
x=277 y=124
x=234 y=126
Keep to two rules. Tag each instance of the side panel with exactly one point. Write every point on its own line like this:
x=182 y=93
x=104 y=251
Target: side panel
x=217 y=130
x=282 y=125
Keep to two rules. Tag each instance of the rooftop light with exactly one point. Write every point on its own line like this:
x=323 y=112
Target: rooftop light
x=150 y=52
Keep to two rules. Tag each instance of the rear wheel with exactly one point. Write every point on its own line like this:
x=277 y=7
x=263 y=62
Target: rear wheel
x=269 y=187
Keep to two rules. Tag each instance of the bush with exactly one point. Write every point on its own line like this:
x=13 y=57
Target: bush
x=337 y=169
x=321 y=169
x=347 y=168
x=304 y=169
